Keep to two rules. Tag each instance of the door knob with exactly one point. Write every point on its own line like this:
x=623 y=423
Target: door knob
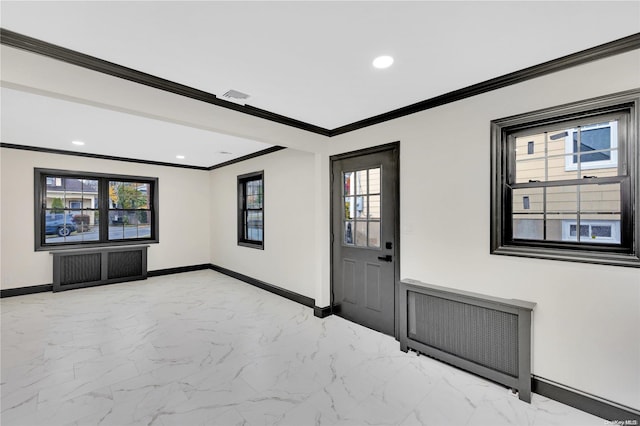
x=386 y=258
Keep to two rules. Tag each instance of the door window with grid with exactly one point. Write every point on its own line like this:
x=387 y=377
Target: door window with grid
x=362 y=196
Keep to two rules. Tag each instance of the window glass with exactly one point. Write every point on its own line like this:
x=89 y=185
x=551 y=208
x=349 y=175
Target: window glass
x=556 y=155
x=73 y=211
x=374 y=234
x=362 y=210
x=538 y=210
x=593 y=146
x=129 y=211
x=593 y=138
x=348 y=233
x=349 y=183
x=600 y=200
x=593 y=231
x=584 y=230
x=600 y=231
x=374 y=207
x=528 y=218
x=565 y=186
x=361 y=207
x=361 y=234
x=349 y=207
x=254 y=225
x=251 y=210
x=73 y=206
x=374 y=181
x=361 y=182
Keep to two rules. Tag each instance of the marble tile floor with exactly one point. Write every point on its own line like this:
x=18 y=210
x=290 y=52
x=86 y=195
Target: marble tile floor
x=201 y=348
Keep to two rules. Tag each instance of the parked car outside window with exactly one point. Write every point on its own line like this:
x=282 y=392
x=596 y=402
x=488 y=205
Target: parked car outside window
x=58 y=223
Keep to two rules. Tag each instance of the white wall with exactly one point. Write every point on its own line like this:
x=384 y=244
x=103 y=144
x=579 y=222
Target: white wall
x=183 y=215
x=587 y=322
x=287 y=260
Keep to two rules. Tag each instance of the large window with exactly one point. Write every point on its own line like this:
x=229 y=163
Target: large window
x=76 y=209
x=251 y=210
x=565 y=182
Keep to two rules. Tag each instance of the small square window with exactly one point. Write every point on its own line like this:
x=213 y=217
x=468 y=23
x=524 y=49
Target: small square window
x=530 y=147
x=593 y=231
x=592 y=146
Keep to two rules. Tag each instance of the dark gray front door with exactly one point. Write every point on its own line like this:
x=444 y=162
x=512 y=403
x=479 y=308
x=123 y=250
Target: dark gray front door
x=364 y=248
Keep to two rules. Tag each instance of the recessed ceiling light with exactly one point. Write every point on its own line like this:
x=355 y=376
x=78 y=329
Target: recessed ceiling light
x=79 y=143
x=180 y=157
x=382 y=62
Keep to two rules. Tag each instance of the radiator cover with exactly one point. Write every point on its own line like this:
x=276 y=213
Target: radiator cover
x=485 y=335
x=98 y=266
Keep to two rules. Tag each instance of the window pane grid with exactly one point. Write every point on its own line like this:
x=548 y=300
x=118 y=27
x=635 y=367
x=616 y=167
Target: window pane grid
x=129 y=212
x=361 y=197
x=581 y=150
x=574 y=179
x=250 y=213
x=564 y=182
x=72 y=203
x=72 y=207
x=550 y=205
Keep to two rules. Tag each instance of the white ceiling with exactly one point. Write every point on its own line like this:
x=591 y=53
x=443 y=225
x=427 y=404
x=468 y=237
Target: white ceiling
x=310 y=61
x=59 y=122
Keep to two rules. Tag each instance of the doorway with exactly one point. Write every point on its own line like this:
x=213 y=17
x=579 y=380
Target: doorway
x=365 y=247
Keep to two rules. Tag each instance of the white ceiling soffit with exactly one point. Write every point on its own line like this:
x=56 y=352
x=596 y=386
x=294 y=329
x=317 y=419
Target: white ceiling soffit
x=311 y=61
x=51 y=123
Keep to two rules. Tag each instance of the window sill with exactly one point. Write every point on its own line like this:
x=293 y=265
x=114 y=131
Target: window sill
x=600 y=258
x=251 y=245
x=94 y=245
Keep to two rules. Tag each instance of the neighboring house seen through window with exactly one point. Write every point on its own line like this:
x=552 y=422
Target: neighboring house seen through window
x=565 y=182
x=78 y=209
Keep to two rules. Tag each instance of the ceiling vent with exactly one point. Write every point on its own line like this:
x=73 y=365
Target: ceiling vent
x=235 y=96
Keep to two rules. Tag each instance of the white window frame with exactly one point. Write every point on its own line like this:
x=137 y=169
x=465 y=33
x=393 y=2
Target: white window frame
x=592 y=165
x=614 y=224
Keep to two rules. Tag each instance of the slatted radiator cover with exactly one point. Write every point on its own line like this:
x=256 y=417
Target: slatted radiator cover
x=98 y=266
x=486 y=335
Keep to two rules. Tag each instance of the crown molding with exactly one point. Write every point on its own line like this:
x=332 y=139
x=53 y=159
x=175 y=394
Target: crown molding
x=602 y=51
x=135 y=160
x=23 y=42
x=248 y=157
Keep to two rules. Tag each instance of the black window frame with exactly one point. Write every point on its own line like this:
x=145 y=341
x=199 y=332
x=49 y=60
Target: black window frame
x=243 y=210
x=627 y=252
x=40 y=208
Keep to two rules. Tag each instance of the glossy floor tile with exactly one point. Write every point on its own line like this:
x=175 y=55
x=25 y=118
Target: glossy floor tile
x=201 y=348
